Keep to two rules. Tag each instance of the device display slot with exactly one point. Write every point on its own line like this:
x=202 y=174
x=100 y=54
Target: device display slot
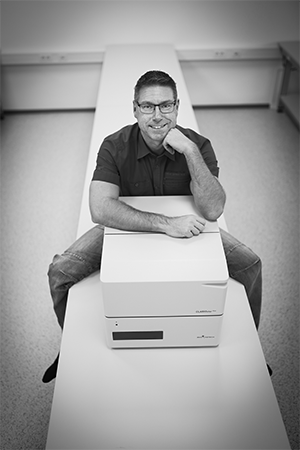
x=135 y=335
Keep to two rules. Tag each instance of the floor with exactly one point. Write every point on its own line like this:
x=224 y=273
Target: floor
x=43 y=160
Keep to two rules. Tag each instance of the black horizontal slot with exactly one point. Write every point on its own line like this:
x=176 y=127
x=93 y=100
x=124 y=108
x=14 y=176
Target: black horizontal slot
x=135 y=335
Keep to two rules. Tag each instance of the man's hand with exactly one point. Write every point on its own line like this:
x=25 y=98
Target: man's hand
x=185 y=226
x=175 y=140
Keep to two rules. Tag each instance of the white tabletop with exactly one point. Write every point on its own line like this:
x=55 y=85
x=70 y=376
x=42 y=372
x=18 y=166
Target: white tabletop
x=188 y=398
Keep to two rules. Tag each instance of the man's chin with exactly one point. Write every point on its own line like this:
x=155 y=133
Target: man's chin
x=154 y=139
x=158 y=134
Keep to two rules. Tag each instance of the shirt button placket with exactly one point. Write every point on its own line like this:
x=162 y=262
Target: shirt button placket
x=156 y=178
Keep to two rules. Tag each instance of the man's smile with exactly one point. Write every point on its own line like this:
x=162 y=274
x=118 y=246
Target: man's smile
x=158 y=127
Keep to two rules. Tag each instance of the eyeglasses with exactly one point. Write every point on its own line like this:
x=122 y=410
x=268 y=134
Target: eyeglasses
x=149 y=108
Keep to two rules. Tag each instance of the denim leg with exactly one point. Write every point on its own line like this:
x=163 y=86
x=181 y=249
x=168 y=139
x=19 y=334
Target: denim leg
x=79 y=261
x=244 y=266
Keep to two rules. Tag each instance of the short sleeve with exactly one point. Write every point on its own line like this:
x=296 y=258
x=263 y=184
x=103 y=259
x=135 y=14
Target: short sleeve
x=106 y=167
x=209 y=157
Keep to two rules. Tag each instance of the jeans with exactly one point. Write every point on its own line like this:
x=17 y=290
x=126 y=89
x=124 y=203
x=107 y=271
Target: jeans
x=83 y=258
x=244 y=266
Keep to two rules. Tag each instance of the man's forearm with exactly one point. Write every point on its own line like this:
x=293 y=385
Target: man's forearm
x=116 y=214
x=208 y=193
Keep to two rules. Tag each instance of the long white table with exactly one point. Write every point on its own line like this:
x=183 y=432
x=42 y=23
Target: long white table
x=184 y=398
x=193 y=398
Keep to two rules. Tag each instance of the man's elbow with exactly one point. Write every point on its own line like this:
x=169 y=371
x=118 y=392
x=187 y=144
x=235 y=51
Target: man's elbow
x=213 y=214
x=95 y=213
x=94 y=216
x=99 y=211
x=214 y=211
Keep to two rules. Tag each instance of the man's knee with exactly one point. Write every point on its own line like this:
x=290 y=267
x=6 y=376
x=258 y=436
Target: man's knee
x=69 y=268
x=61 y=273
x=243 y=259
x=258 y=265
x=252 y=262
x=54 y=266
x=59 y=286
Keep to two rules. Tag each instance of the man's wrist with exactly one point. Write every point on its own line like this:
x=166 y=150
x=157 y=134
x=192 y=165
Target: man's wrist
x=162 y=223
x=190 y=149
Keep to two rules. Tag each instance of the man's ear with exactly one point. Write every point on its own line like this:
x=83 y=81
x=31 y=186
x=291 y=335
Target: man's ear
x=134 y=109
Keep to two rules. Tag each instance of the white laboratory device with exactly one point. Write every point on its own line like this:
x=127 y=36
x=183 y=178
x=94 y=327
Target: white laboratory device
x=160 y=291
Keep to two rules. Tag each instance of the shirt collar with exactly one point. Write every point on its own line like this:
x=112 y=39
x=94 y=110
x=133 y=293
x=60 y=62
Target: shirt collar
x=143 y=149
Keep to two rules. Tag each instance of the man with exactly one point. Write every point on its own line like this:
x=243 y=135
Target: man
x=154 y=156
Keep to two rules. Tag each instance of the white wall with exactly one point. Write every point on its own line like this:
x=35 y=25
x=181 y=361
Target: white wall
x=89 y=26
x=47 y=25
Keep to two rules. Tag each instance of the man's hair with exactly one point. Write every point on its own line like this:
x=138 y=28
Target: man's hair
x=155 y=78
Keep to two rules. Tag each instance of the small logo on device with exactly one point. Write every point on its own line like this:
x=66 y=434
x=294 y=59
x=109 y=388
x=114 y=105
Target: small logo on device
x=201 y=311
x=205 y=337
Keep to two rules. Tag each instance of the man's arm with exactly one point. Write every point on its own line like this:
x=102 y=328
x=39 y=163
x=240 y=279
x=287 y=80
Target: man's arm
x=208 y=193
x=108 y=210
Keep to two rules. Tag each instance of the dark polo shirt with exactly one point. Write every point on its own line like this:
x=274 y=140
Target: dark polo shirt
x=125 y=159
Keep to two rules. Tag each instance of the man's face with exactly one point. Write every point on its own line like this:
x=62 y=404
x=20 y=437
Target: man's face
x=154 y=127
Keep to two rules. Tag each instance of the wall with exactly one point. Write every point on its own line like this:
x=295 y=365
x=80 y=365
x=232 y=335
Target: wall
x=67 y=28
x=90 y=25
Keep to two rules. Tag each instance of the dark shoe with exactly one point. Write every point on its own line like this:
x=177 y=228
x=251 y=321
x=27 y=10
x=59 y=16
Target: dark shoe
x=50 y=373
x=270 y=370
